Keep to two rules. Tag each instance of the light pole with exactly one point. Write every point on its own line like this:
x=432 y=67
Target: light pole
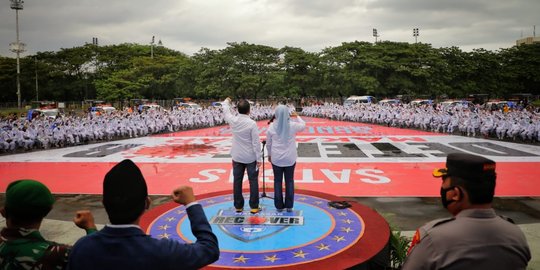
x=152 y=47
x=375 y=34
x=159 y=44
x=37 y=86
x=415 y=34
x=17 y=47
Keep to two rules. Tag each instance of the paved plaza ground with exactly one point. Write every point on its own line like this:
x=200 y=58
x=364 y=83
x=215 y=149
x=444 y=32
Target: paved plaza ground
x=387 y=169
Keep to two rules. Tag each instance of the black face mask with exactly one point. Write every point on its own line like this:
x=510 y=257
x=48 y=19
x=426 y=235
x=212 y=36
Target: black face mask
x=444 y=201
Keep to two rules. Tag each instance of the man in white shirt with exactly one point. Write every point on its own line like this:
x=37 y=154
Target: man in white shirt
x=245 y=152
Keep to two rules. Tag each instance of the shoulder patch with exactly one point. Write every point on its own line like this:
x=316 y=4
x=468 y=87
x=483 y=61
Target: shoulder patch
x=437 y=222
x=415 y=240
x=423 y=231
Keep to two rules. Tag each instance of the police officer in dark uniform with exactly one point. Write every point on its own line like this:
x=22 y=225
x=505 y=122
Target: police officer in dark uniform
x=475 y=237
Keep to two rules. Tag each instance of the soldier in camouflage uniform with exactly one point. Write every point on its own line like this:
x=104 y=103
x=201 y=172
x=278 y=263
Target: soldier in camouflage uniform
x=21 y=244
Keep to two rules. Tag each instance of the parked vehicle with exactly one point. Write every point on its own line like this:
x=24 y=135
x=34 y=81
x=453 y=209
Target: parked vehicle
x=189 y=105
x=44 y=113
x=101 y=109
x=419 y=102
x=107 y=109
x=499 y=104
x=359 y=99
x=147 y=107
x=390 y=102
x=452 y=103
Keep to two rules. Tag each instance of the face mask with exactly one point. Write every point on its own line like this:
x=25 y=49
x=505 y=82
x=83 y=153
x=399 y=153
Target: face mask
x=444 y=201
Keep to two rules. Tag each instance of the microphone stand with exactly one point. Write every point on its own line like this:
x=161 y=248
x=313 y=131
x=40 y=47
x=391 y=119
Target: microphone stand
x=263 y=194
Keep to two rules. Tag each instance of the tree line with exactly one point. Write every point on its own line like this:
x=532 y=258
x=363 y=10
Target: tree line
x=243 y=70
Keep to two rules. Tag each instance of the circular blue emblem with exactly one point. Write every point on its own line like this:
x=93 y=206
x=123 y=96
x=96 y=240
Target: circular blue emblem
x=313 y=231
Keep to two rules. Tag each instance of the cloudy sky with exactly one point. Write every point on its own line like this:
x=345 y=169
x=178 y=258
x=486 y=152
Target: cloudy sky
x=189 y=25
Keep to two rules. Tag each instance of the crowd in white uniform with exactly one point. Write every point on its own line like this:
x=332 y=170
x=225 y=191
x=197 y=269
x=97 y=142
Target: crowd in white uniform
x=468 y=121
x=44 y=133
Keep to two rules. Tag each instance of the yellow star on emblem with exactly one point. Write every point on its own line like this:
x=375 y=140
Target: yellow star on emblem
x=241 y=259
x=318 y=202
x=347 y=230
x=164 y=227
x=348 y=221
x=179 y=212
x=342 y=214
x=272 y=258
x=302 y=198
x=165 y=235
x=338 y=238
x=169 y=219
x=322 y=246
x=211 y=201
x=300 y=254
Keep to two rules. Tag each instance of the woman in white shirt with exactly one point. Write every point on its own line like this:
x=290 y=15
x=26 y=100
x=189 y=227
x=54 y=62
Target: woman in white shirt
x=281 y=147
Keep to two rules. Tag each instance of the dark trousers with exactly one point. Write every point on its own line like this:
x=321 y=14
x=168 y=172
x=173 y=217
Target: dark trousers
x=279 y=173
x=253 y=176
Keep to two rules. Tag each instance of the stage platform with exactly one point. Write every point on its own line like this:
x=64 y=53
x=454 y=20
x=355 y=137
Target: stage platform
x=313 y=236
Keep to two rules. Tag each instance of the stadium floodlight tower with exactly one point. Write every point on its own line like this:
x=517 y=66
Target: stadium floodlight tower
x=17 y=46
x=415 y=34
x=375 y=34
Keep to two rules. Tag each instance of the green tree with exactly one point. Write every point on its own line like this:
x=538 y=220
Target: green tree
x=520 y=70
x=486 y=72
x=251 y=67
x=211 y=74
x=8 y=88
x=162 y=77
x=458 y=72
x=248 y=70
x=300 y=71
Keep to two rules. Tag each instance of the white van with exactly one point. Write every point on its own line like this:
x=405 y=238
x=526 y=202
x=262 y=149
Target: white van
x=152 y=107
x=359 y=99
x=453 y=103
x=190 y=105
x=389 y=102
x=420 y=102
x=46 y=113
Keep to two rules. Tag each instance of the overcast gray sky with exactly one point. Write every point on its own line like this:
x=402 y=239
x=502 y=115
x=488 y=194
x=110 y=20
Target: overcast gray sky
x=188 y=25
